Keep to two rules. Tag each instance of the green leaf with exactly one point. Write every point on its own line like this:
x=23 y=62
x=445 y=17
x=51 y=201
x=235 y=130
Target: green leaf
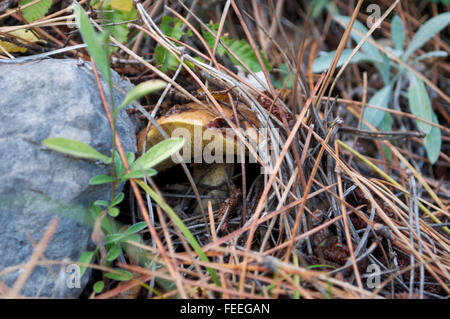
x=130 y=157
x=95 y=210
x=170 y=27
x=99 y=286
x=384 y=68
x=427 y=31
x=126 y=235
x=141 y=90
x=431 y=54
x=135 y=228
x=139 y=174
x=37 y=10
x=105 y=223
x=433 y=141
x=157 y=154
x=165 y=60
x=101 y=203
x=100 y=179
x=367 y=48
x=419 y=102
x=286 y=80
x=120 y=238
x=374 y=116
x=398 y=33
x=74 y=148
x=211 y=40
x=323 y=62
x=245 y=53
x=122 y=275
x=119 y=30
x=113 y=212
x=85 y=258
x=240 y=48
x=113 y=252
x=94 y=42
x=120 y=169
x=319 y=5
x=118 y=199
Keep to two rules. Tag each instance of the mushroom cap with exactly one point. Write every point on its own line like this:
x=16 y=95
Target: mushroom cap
x=204 y=132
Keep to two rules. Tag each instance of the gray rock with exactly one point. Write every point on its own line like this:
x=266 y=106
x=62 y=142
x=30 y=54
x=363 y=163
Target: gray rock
x=41 y=99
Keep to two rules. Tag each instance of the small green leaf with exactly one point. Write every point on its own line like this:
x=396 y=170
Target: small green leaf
x=374 y=116
x=384 y=68
x=116 y=18
x=85 y=258
x=133 y=237
x=122 y=276
x=323 y=62
x=427 y=31
x=120 y=169
x=130 y=157
x=245 y=53
x=431 y=54
x=165 y=60
x=37 y=10
x=95 y=210
x=170 y=27
x=101 y=203
x=118 y=199
x=419 y=102
x=211 y=40
x=139 y=174
x=157 y=154
x=113 y=252
x=117 y=238
x=287 y=78
x=318 y=7
x=74 y=148
x=433 y=141
x=100 y=179
x=99 y=286
x=94 y=42
x=126 y=235
x=141 y=90
x=398 y=33
x=135 y=228
x=240 y=48
x=113 y=212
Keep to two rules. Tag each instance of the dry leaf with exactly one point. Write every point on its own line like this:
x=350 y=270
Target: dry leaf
x=23 y=36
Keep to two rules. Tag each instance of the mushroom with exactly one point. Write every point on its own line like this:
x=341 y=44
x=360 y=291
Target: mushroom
x=208 y=140
x=208 y=137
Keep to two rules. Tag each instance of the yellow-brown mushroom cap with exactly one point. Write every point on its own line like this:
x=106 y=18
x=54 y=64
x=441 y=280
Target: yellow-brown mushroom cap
x=203 y=130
